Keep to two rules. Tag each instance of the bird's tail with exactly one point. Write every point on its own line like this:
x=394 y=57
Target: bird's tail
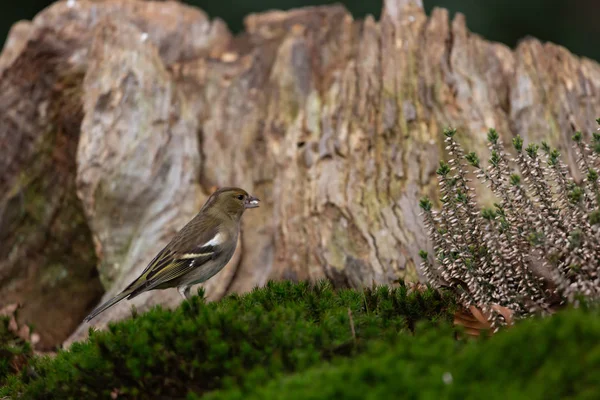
x=107 y=304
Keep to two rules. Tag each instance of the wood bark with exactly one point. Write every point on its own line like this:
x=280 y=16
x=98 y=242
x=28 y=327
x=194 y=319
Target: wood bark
x=333 y=122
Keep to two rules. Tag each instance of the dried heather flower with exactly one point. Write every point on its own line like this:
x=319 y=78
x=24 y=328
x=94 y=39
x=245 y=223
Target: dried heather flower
x=543 y=218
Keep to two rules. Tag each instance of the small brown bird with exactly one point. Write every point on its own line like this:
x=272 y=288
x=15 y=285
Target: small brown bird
x=197 y=252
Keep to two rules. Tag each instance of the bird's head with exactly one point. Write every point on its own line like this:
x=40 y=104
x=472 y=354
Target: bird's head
x=230 y=200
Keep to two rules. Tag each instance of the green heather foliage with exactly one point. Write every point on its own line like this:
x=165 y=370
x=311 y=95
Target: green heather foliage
x=200 y=347
x=542 y=220
x=550 y=358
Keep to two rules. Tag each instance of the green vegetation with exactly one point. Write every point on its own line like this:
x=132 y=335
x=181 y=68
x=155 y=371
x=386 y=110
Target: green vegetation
x=298 y=341
x=234 y=343
x=14 y=351
x=553 y=358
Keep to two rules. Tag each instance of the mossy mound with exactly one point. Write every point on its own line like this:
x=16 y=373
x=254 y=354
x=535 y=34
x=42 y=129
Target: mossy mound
x=302 y=341
x=231 y=344
x=554 y=358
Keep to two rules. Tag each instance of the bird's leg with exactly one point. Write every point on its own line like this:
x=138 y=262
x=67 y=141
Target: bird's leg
x=184 y=291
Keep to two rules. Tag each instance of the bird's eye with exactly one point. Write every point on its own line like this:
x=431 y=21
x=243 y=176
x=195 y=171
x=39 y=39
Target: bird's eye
x=240 y=197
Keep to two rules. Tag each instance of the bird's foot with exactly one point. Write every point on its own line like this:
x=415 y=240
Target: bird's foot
x=184 y=291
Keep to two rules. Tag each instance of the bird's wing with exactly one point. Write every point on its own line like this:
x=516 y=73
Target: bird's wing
x=171 y=268
x=175 y=260
x=185 y=241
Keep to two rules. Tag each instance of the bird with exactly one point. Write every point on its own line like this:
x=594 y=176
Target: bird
x=197 y=252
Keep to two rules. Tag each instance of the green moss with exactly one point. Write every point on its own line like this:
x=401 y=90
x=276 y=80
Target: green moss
x=237 y=342
x=302 y=341
x=14 y=351
x=554 y=358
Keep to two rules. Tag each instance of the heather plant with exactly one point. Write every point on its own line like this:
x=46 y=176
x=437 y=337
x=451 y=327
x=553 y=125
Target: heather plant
x=537 y=248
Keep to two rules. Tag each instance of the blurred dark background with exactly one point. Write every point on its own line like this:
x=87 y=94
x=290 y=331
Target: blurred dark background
x=573 y=24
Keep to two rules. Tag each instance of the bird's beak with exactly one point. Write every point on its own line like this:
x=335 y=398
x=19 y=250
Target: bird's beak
x=251 y=202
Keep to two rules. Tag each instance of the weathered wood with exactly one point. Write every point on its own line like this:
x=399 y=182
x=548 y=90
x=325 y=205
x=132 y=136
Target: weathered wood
x=47 y=260
x=333 y=122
